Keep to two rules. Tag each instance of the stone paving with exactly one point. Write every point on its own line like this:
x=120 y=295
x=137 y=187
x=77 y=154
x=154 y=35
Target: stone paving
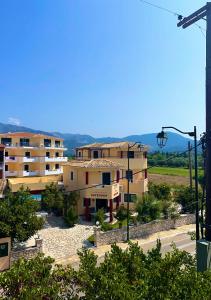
x=59 y=241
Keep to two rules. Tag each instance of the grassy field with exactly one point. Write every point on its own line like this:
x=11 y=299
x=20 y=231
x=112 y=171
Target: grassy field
x=172 y=171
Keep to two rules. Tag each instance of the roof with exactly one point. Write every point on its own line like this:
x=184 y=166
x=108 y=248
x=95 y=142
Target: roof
x=94 y=163
x=112 y=145
x=27 y=135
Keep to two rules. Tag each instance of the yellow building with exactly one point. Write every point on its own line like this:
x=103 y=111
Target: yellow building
x=32 y=160
x=99 y=173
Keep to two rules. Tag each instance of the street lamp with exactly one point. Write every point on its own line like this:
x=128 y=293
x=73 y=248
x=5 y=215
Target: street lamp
x=129 y=177
x=161 y=140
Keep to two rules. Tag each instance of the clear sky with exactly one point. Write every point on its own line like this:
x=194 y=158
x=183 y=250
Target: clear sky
x=100 y=67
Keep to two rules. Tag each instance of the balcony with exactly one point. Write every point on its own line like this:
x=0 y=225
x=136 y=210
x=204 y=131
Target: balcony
x=103 y=191
x=18 y=145
x=26 y=159
x=53 y=159
x=53 y=146
x=28 y=173
x=11 y=173
x=11 y=159
x=52 y=172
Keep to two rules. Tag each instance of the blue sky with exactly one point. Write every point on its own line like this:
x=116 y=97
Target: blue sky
x=100 y=67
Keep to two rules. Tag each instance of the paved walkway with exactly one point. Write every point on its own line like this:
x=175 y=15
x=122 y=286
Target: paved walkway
x=178 y=235
x=60 y=241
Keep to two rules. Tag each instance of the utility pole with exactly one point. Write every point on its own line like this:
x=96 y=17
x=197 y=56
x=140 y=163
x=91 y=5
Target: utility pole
x=190 y=164
x=203 y=246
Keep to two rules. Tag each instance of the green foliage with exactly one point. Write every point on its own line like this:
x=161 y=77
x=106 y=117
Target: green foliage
x=100 y=216
x=121 y=215
x=106 y=226
x=127 y=274
x=148 y=208
x=71 y=217
x=53 y=199
x=70 y=200
x=17 y=218
x=160 y=191
x=186 y=197
x=178 y=160
x=35 y=279
x=131 y=274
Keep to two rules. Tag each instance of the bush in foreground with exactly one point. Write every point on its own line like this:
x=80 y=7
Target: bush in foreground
x=123 y=275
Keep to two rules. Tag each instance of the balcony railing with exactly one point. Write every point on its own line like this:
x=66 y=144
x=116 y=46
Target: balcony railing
x=28 y=173
x=52 y=172
x=54 y=159
x=103 y=191
x=11 y=159
x=11 y=173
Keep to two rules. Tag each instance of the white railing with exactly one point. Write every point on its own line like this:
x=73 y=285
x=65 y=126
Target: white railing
x=28 y=173
x=11 y=173
x=11 y=159
x=54 y=159
x=52 y=172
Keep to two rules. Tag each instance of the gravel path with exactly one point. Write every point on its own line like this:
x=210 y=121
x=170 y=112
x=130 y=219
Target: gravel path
x=60 y=241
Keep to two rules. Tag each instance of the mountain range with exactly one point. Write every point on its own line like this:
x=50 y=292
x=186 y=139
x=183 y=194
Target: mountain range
x=175 y=143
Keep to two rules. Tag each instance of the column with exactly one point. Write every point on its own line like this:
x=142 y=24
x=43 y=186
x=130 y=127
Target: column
x=111 y=210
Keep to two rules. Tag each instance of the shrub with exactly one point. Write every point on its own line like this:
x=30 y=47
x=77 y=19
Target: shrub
x=71 y=218
x=100 y=216
x=121 y=215
x=148 y=208
x=106 y=226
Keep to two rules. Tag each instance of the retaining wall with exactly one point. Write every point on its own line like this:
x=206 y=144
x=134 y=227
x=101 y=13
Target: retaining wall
x=141 y=230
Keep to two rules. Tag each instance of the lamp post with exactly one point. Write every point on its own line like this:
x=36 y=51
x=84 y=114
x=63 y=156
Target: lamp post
x=129 y=177
x=162 y=139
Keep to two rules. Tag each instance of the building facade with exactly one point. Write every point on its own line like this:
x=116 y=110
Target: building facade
x=99 y=174
x=30 y=158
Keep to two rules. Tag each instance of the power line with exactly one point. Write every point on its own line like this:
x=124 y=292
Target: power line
x=134 y=173
x=172 y=13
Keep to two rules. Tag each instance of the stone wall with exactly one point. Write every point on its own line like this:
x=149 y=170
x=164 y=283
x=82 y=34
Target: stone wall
x=141 y=230
x=27 y=253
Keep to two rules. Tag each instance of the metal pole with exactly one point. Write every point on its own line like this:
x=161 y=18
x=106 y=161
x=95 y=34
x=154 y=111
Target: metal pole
x=190 y=164
x=196 y=185
x=128 y=191
x=208 y=124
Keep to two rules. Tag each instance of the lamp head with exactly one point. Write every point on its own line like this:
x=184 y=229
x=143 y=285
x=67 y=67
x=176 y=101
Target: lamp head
x=162 y=139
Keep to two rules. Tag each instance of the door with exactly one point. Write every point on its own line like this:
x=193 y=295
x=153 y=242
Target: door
x=106 y=179
x=101 y=203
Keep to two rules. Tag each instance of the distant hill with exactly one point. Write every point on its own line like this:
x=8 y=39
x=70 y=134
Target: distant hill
x=176 y=142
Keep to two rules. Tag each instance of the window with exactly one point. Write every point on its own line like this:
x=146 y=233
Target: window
x=56 y=166
x=95 y=154
x=79 y=154
x=6 y=141
x=24 y=142
x=6 y=168
x=4 y=249
x=26 y=168
x=106 y=178
x=47 y=167
x=131 y=154
x=87 y=177
x=47 y=142
x=71 y=175
x=86 y=202
x=47 y=154
x=57 y=144
x=145 y=154
x=132 y=197
x=57 y=154
x=27 y=154
x=6 y=153
x=1 y=156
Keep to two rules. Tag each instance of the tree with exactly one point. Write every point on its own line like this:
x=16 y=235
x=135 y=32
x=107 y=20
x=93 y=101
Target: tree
x=18 y=216
x=70 y=204
x=53 y=199
x=160 y=191
x=121 y=215
x=36 y=279
x=124 y=274
x=148 y=208
x=186 y=197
